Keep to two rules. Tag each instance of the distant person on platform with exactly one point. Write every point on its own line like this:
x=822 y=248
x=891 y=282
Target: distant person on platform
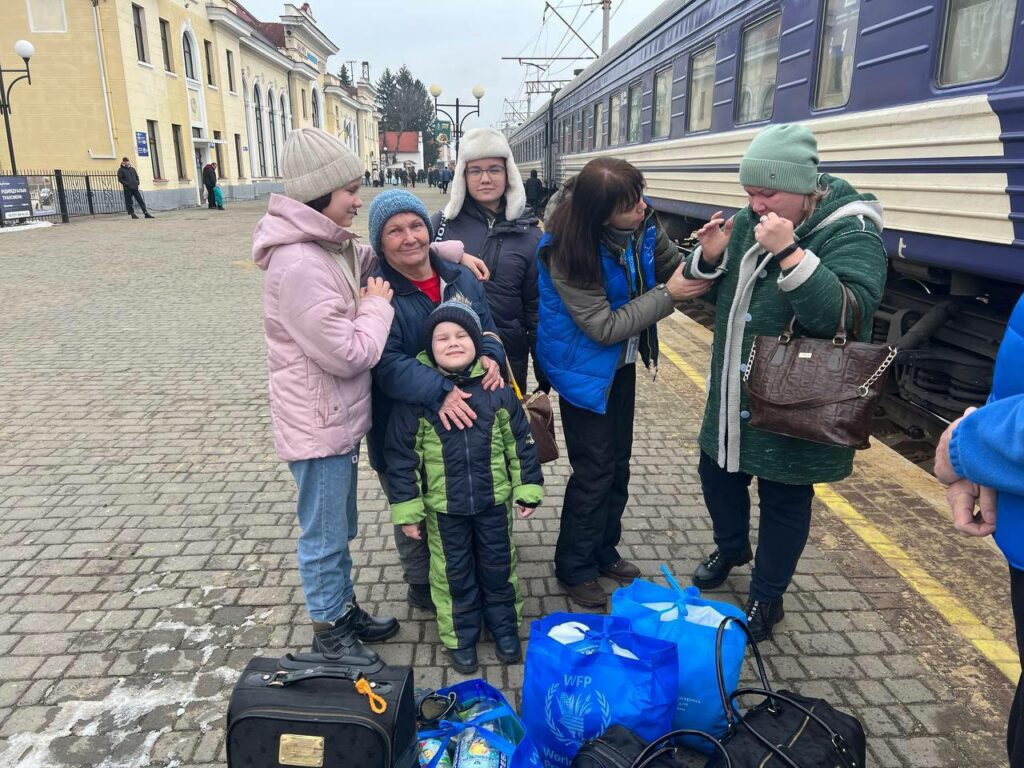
x=366 y=177
x=445 y=179
x=412 y=177
x=210 y=183
x=534 y=192
x=129 y=179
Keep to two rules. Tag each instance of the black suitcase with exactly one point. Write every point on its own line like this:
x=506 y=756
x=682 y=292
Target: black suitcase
x=305 y=711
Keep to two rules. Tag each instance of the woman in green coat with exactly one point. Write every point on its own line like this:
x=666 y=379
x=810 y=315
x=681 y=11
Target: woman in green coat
x=785 y=254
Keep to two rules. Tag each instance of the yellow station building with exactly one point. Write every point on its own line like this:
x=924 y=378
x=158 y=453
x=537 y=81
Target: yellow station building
x=173 y=85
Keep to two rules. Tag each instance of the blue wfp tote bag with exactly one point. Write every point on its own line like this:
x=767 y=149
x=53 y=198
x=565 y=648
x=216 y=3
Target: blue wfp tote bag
x=681 y=617
x=584 y=673
x=520 y=753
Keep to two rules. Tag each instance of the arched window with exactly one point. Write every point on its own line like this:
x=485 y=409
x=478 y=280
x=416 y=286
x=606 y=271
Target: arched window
x=284 y=120
x=316 y=110
x=257 y=106
x=187 y=52
x=273 y=130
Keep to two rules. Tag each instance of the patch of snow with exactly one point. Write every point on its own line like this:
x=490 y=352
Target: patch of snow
x=144 y=590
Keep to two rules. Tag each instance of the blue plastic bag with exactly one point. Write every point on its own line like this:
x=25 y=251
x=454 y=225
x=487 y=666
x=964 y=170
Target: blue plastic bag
x=673 y=617
x=218 y=197
x=605 y=674
x=522 y=754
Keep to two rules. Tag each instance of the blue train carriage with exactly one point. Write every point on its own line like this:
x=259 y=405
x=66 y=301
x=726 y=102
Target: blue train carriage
x=920 y=103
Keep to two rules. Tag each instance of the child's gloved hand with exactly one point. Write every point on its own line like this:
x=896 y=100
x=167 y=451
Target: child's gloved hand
x=525 y=511
x=412 y=531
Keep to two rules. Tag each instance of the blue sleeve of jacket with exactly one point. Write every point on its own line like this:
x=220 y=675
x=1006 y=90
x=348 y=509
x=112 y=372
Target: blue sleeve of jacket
x=988 y=446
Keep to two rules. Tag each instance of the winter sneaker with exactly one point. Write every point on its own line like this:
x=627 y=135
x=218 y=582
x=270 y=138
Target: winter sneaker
x=339 y=640
x=508 y=649
x=418 y=596
x=464 y=659
x=716 y=566
x=134 y=216
x=373 y=629
x=762 y=616
x=150 y=215
x=589 y=594
x=622 y=571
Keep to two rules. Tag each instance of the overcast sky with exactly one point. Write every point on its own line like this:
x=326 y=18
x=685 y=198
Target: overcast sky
x=459 y=43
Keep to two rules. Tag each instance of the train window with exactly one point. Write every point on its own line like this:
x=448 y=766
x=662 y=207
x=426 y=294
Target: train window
x=614 y=107
x=759 y=58
x=599 y=125
x=835 y=57
x=977 y=40
x=662 y=103
x=702 y=89
x=633 y=113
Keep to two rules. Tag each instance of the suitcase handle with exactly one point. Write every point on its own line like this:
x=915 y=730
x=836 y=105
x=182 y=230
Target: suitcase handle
x=281 y=678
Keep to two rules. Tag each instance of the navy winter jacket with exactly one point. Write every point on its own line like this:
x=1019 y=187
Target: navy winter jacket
x=399 y=375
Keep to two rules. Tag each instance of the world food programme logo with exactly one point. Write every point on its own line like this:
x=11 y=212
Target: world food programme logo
x=566 y=710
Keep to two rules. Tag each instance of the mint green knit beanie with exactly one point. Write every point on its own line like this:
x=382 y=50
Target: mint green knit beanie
x=782 y=157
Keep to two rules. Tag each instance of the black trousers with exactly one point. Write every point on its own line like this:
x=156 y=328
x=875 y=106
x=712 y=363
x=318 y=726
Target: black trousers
x=413 y=554
x=133 y=193
x=599 y=447
x=473 y=575
x=1015 y=728
x=210 y=202
x=785 y=523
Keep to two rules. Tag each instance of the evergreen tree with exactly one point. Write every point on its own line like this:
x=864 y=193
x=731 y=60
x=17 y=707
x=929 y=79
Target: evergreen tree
x=386 y=93
x=405 y=105
x=344 y=76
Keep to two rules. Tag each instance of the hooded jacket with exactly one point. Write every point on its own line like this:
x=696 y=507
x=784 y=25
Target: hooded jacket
x=753 y=297
x=988 y=445
x=461 y=472
x=128 y=177
x=508 y=248
x=322 y=340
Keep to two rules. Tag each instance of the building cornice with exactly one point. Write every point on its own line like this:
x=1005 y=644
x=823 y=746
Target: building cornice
x=313 y=32
x=266 y=51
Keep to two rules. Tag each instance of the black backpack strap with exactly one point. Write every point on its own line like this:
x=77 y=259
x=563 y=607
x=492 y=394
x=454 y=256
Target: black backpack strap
x=659 y=747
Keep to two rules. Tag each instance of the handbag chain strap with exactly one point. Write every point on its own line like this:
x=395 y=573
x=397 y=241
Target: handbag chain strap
x=865 y=389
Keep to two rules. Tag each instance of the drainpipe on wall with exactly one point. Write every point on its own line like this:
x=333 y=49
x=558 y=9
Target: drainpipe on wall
x=103 y=82
x=290 y=102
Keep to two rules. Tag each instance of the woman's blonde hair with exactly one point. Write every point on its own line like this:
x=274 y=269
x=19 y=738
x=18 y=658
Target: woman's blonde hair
x=811 y=199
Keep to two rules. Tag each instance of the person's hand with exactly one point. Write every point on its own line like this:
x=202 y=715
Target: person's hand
x=476 y=266
x=377 y=286
x=413 y=531
x=714 y=237
x=455 y=410
x=682 y=288
x=525 y=511
x=963 y=496
x=492 y=379
x=943 y=467
x=774 y=233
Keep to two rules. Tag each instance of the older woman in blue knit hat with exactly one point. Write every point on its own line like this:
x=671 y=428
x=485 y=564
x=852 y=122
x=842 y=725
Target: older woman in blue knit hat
x=802 y=234
x=401 y=234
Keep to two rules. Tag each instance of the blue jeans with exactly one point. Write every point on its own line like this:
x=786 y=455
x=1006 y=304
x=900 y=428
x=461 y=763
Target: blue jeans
x=328 y=519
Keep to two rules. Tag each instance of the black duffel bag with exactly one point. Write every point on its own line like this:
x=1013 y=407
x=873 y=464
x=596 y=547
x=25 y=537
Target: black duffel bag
x=798 y=731
x=619 y=747
x=306 y=711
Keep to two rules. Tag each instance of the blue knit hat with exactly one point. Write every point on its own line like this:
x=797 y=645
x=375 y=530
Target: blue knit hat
x=389 y=203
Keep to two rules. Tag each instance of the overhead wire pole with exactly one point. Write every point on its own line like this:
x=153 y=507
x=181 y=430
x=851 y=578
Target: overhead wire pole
x=606 y=17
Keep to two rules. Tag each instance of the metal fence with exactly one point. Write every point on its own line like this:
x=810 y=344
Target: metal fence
x=59 y=195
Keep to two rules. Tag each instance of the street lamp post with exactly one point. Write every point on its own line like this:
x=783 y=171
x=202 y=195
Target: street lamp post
x=25 y=49
x=478 y=93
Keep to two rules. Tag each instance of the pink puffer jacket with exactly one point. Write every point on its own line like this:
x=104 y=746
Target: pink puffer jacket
x=321 y=342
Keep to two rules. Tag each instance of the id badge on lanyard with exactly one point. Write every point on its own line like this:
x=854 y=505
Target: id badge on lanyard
x=631 y=348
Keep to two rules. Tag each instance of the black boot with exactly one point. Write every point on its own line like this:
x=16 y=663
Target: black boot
x=134 y=216
x=418 y=596
x=762 y=616
x=373 y=629
x=149 y=215
x=464 y=659
x=340 y=642
x=508 y=649
x=716 y=566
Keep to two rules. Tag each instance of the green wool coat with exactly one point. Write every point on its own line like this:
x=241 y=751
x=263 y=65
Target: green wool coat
x=753 y=297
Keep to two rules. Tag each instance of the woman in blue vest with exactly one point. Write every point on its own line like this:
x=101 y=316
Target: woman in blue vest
x=607 y=275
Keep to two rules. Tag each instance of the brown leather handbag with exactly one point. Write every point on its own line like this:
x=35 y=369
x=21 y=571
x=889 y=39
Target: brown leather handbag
x=817 y=389
x=538 y=412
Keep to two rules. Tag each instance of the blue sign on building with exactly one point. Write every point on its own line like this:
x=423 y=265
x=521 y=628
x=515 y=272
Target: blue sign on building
x=142 y=144
x=15 y=202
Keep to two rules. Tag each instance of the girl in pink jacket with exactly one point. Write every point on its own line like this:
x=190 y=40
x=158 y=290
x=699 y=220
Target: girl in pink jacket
x=325 y=324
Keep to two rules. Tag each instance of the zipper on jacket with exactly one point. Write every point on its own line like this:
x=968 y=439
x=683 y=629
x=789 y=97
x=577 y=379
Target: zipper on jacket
x=469 y=472
x=283 y=713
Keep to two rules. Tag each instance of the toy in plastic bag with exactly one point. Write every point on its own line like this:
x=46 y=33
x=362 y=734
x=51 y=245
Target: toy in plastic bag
x=483 y=732
x=681 y=617
x=585 y=672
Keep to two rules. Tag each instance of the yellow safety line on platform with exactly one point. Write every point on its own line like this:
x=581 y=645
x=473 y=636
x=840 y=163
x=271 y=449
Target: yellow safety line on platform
x=956 y=614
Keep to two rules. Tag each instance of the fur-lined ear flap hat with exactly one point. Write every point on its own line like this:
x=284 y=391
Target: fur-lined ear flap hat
x=475 y=145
